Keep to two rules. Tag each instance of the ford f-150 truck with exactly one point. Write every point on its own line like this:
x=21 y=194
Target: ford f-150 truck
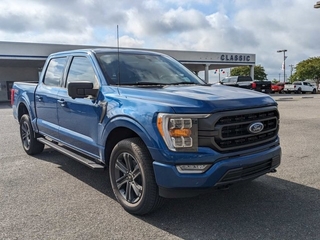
x=299 y=87
x=161 y=131
x=248 y=83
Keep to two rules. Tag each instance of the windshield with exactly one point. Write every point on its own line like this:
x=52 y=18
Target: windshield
x=144 y=69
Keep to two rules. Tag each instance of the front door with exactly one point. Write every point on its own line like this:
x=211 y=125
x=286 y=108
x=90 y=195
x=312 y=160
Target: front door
x=79 y=118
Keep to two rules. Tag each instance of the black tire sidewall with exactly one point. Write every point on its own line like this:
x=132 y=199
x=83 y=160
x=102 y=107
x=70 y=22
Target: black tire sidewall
x=35 y=146
x=135 y=147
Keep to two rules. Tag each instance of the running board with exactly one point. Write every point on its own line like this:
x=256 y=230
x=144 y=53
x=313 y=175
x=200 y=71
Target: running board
x=89 y=163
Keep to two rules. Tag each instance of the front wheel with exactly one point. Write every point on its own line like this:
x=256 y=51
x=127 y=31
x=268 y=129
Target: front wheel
x=132 y=178
x=29 y=142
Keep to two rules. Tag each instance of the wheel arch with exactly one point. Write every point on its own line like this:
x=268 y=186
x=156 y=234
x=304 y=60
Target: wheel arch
x=22 y=109
x=119 y=129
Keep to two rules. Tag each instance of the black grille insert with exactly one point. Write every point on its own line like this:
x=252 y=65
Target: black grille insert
x=229 y=131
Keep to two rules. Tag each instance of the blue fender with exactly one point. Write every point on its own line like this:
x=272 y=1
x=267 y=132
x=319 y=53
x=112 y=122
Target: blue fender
x=25 y=100
x=133 y=125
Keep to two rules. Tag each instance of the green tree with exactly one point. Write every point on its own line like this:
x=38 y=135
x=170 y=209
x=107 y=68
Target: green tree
x=308 y=69
x=259 y=72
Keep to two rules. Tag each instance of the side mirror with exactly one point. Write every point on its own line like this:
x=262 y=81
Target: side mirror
x=81 y=90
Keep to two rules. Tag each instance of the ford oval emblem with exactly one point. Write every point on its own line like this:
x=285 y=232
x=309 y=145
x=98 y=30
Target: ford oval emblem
x=255 y=127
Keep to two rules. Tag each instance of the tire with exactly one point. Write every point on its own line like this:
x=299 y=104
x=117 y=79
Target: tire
x=132 y=177
x=29 y=142
x=299 y=91
x=314 y=91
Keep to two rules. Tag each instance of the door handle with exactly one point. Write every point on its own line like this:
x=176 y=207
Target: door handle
x=62 y=102
x=39 y=98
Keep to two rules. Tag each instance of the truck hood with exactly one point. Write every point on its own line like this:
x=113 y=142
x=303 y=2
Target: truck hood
x=199 y=99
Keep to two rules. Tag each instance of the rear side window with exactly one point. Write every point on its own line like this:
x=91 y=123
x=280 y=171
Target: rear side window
x=229 y=80
x=244 y=79
x=54 y=73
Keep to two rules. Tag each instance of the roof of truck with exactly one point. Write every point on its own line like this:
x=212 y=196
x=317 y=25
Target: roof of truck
x=105 y=50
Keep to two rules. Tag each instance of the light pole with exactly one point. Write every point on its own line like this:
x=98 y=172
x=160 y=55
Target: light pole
x=284 y=64
x=291 y=66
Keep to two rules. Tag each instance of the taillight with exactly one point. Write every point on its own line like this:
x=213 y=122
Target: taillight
x=253 y=85
x=12 y=96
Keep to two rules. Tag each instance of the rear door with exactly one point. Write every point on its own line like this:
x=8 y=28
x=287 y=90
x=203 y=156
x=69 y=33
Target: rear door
x=79 y=118
x=46 y=97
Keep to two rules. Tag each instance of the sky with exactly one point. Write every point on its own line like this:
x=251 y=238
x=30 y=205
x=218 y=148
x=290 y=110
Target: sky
x=259 y=27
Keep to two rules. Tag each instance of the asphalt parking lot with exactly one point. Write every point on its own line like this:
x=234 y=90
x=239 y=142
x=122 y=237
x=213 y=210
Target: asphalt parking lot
x=50 y=196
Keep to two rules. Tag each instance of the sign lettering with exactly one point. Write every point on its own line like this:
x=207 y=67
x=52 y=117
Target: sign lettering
x=235 y=58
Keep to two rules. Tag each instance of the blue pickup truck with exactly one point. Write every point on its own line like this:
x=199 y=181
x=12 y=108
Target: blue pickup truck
x=161 y=131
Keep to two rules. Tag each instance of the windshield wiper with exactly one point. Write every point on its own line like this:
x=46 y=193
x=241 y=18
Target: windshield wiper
x=180 y=83
x=143 y=83
x=159 y=83
x=149 y=83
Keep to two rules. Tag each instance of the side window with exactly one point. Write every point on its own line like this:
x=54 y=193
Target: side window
x=233 y=80
x=81 y=70
x=53 y=76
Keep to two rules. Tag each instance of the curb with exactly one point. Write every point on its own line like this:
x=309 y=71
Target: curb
x=291 y=98
x=284 y=99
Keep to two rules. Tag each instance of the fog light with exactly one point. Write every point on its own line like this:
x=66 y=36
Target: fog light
x=198 y=168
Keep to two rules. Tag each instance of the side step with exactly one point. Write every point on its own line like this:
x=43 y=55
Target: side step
x=89 y=163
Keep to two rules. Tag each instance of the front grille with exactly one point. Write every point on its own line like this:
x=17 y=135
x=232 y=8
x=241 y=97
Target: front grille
x=229 y=131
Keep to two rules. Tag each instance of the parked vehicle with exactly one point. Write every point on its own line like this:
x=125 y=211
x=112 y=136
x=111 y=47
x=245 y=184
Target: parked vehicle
x=277 y=87
x=248 y=83
x=300 y=87
x=160 y=130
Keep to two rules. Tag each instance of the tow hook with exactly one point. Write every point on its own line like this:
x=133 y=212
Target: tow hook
x=273 y=171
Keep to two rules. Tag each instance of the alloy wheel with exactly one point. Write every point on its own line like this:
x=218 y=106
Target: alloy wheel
x=128 y=177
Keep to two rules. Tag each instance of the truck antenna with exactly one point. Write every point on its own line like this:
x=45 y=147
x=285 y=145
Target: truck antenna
x=118 y=47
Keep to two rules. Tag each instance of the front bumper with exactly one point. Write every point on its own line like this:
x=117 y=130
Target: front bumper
x=222 y=173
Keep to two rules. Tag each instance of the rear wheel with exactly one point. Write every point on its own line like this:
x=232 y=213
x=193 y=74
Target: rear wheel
x=30 y=144
x=299 y=91
x=132 y=177
x=314 y=91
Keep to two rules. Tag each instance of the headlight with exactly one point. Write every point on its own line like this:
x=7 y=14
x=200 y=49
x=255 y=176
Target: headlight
x=179 y=131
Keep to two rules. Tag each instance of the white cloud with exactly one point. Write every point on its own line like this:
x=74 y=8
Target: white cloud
x=259 y=27
x=126 y=41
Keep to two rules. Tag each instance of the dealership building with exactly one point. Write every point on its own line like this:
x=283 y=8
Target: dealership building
x=20 y=61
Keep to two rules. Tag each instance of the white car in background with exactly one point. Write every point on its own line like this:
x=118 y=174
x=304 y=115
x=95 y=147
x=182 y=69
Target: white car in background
x=299 y=87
